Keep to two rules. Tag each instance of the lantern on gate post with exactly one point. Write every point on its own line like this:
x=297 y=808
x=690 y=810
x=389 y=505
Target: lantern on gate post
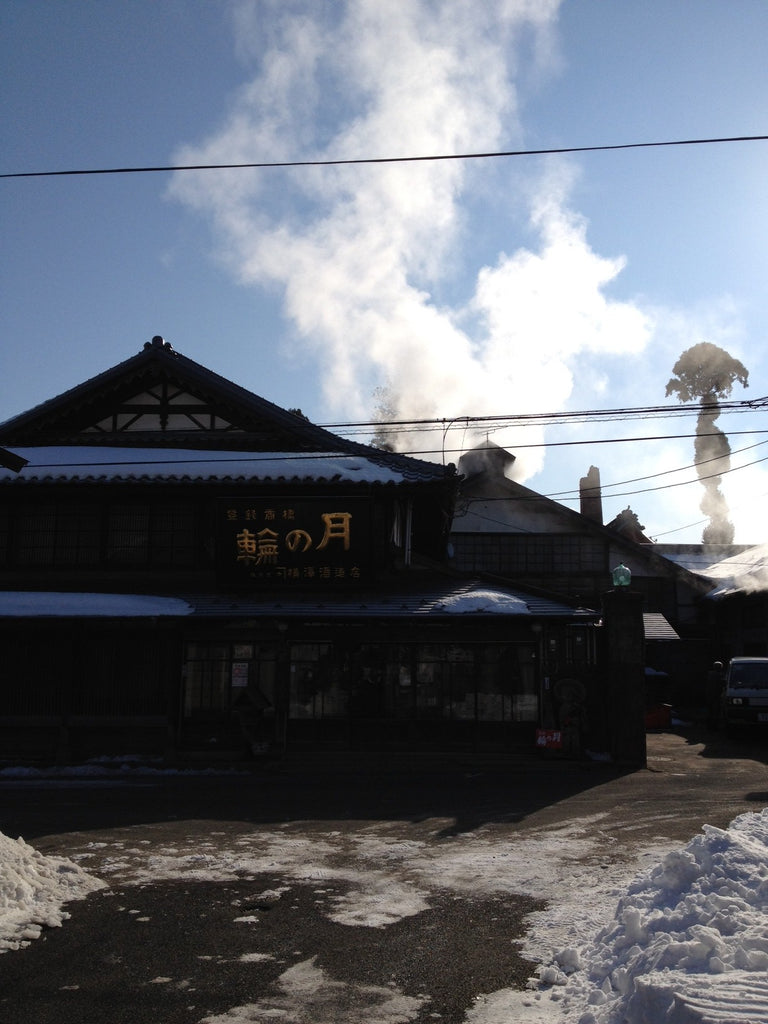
x=621 y=576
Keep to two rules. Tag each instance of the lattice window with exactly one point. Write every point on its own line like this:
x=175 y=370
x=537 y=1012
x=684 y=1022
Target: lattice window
x=146 y=535
x=56 y=535
x=515 y=554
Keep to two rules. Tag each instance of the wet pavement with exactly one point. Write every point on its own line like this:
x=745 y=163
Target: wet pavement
x=158 y=947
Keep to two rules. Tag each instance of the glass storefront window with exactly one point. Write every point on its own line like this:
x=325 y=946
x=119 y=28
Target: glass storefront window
x=220 y=678
x=315 y=687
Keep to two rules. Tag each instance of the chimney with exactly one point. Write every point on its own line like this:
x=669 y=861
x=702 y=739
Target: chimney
x=488 y=458
x=591 y=496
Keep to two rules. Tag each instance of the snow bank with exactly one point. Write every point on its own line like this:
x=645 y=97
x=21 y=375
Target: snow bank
x=688 y=942
x=33 y=888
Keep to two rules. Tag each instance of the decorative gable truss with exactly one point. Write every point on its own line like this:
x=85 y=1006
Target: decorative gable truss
x=160 y=408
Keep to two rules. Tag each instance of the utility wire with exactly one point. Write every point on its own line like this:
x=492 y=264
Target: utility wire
x=196 y=456
x=309 y=456
x=432 y=157
x=415 y=452
x=667 y=472
x=393 y=427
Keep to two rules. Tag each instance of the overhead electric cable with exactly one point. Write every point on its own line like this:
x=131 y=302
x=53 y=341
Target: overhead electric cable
x=252 y=457
x=424 y=158
x=578 y=415
x=665 y=472
x=685 y=483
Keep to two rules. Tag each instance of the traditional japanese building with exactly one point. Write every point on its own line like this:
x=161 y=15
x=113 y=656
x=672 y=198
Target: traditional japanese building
x=503 y=528
x=188 y=569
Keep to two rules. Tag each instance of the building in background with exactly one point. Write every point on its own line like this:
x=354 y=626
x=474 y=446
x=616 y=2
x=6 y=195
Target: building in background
x=525 y=539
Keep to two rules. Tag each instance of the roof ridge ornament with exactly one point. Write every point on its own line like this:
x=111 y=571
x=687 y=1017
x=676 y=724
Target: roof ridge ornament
x=159 y=342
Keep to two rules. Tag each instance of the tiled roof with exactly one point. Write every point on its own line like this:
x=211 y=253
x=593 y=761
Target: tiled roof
x=82 y=464
x=256 y=424
x=445 y=599
x=436 y=600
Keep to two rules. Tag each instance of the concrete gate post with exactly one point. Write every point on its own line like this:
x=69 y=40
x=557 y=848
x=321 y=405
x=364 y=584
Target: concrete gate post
x=624 y=673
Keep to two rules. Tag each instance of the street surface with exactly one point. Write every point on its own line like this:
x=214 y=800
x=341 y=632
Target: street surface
x=347 y=888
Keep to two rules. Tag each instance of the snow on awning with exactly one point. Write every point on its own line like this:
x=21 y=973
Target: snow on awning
x=443 y=599
x=657 y=627
x=48 y=604
x=467 y=600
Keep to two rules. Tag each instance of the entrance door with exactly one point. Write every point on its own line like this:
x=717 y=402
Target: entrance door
x=229 y=696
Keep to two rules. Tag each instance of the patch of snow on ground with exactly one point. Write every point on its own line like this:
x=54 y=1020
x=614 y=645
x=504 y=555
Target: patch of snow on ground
x=33 y=889
x=324 y=1001
x=628 y=937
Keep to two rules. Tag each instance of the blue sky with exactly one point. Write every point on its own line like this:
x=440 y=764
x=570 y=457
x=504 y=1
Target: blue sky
x=474 y=288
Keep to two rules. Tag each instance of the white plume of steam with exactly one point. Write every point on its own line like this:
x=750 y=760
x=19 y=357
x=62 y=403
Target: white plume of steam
x=360 y=253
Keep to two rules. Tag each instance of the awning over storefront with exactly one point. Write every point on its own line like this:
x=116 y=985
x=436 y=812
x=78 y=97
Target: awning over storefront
x=464 y=599
x=49 y=604
x=657 y=627
x=446 y=598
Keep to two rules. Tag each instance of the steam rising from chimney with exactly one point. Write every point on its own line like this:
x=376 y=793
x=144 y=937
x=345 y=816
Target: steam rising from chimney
x=365 y=257
x=708 y=373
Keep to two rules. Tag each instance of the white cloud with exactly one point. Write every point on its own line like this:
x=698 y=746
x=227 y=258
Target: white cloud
x=358 y=252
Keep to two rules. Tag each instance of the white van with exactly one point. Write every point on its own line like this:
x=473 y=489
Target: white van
x=745 y=697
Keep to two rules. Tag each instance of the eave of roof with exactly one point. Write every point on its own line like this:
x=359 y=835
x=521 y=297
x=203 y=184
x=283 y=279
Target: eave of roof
x=438 y=601
x=87 y=465
x=20 y=429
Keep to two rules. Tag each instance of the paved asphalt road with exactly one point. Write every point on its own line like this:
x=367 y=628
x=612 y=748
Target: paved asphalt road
x=94 y=971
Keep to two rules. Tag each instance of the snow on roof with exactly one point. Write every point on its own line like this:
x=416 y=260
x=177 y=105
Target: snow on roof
x=699 y=558
x=490 y=601
x=745 y=572
x=82 y=463
x=432 y=599
x=47 y=604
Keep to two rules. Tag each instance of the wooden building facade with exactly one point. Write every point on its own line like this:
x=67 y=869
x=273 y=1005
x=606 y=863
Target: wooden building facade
x=187 y=569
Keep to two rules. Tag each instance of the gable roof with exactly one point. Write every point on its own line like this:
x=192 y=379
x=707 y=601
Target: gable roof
x=489 y=483
x=745 y=572
x=162 y=399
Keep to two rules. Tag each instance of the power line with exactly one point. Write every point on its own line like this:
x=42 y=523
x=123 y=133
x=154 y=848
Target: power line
x=563 y=496
x=684 y=483
x=197 y=456
x=425 y=158
x=553 y=417
x=668 y=472
x=415 y=452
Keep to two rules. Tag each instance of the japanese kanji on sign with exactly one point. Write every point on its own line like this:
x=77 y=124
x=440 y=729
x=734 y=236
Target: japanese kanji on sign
x=294 y=540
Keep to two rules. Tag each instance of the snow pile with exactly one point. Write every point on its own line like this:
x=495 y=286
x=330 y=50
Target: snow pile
x=688 y=942
x=33 y=888
x=496 y=601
